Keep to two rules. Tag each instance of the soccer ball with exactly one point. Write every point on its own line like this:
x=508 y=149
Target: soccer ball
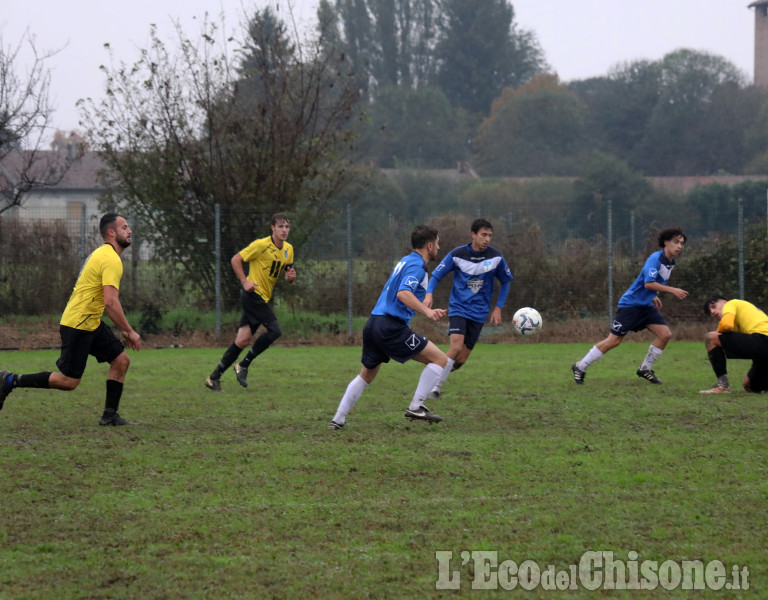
x=527 y=321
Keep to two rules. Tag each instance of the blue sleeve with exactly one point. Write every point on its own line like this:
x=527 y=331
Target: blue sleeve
x=503 y=291
x=440 y=271
x=412 y=277
x=651 y=268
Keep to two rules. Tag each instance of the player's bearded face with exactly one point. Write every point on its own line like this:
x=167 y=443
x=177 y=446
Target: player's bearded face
x=122 y=233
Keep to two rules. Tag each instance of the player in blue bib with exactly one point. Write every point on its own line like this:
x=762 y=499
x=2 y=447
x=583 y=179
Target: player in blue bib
x=474 y=266
x=639 y=308
x=387 y=334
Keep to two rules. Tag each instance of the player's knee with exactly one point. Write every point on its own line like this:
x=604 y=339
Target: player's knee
x=274 y=332
x=69 y=384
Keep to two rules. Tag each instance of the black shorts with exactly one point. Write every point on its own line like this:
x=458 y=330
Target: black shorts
x=750 y=346
x=77 y=345
x=255 y=311
x=386 y=337
x=635 y=318
x=466 y=327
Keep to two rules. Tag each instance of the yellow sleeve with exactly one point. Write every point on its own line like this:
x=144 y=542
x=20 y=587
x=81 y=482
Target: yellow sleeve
x=727 y=323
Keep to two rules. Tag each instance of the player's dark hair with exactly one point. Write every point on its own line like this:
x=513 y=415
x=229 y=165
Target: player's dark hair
x=106 y=223
x=278 y=217
x=479 y=224
x=711 y=301
x=670 y=232
x=422 y=235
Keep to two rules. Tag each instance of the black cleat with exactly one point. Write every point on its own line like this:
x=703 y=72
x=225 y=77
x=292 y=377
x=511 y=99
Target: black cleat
x=333 y=425
x=114 y=419
x=422 y=414
x=213 y=384
x=578 y=374
x=649 y=375
x=5 y=389
x=241 y=373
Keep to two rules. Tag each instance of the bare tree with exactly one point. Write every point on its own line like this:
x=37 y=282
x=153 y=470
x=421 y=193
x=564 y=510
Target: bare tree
x=25 y=113
x=256 y=126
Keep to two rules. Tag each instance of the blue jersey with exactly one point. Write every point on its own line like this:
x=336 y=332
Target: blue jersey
x=409 y=274
x=657 y=268
x=473 y=275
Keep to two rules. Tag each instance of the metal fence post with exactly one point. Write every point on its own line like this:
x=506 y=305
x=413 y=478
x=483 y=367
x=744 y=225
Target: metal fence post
x=350 y=327
x=217 y=259
x=740 y=234
x=610 y=257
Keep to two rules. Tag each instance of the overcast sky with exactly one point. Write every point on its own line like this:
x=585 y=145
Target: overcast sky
x=581 y=39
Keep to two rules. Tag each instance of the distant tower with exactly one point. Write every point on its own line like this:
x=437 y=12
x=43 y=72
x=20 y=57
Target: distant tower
x=761 y=42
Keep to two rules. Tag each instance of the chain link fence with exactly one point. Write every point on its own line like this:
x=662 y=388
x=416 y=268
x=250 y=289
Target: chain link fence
x=571 y=265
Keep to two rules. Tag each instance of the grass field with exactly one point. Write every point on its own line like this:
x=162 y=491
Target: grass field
x=246 y=494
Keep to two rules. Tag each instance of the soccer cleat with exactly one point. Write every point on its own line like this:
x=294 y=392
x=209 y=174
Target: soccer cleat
x=241 y=373
x=718 y=388
x=434 y=395
x=334 y=425
x=114 y=419
x=5 y=389
x=649 y=375
x=422 y=414
x=578 y=374
x=213 y=384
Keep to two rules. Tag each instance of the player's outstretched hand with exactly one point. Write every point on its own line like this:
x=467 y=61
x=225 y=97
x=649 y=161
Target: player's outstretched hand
x=437 y=314
x=133 y=339
x=680 y=294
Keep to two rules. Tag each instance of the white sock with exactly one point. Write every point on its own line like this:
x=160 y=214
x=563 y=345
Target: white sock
x=427 y=381
x=592 y=356
x=444 y=375
x=355 y=389
x=650 y=358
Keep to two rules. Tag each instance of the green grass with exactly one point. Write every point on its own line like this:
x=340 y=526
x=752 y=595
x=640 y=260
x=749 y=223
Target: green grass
x=246 y=494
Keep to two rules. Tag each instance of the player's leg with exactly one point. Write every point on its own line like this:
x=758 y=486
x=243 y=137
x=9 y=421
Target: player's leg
x=371 y=360
x=75 y=348
x=434 y=361
x=106 y=348
x=455 y=358
x=259 y=312
x=579 y=368
x=718 y=359
x=352 y=394
x=242 y=339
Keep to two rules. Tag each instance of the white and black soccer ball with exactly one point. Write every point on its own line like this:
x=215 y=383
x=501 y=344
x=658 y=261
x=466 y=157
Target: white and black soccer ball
x=527 y=321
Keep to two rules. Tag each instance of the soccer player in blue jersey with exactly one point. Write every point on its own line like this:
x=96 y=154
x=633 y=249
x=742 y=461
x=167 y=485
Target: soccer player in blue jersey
x=387 y=334
x=639 y=308
x=474 y=267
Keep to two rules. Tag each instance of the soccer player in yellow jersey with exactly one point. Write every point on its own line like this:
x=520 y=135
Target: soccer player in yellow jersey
x=82 y=331
x=742 y=332
x=268 y=258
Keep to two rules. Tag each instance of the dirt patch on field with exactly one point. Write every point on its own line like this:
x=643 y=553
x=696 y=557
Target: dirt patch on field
x=30 y=335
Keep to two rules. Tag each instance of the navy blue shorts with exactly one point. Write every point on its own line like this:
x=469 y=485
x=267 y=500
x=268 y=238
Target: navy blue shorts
x=635 y=318
x=386 y=337
x=466 y=327
x=750 y=346
x=256 y=312
x=77 y=345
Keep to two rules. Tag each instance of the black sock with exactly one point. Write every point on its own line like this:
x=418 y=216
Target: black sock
x=229 y=357
x=718 y=361
x=114 y=392
x=35 y=380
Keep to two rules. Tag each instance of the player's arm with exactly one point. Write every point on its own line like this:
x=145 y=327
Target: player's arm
x=408 y=298
x=727 y=323
x=495 y=319
x=114 y=311
x=237 y=266
x=655 y=286
x=290 y=274
x=445 y=265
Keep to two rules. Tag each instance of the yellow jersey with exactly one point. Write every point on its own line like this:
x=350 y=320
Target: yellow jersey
x=86 y=304
x=265 y=264
x=743 y=316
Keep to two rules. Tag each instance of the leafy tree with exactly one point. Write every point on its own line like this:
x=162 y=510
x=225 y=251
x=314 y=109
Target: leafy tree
x=605 y=178
x=534 y=130
x=481 y=51
x=183 y=130
x=25 y=113
x=415 y=127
